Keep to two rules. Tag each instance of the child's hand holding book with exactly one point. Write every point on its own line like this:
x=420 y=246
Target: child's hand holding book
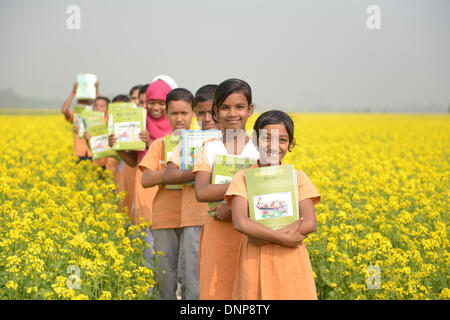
x=87 y=135
x=145 y=136
x=292 y=236
x=112 y=139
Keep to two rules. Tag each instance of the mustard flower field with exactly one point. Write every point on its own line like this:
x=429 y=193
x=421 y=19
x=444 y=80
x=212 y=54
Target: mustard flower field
x=61 y=235
x=382 y=223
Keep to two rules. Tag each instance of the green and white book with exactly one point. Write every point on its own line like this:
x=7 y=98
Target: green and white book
x=126 y=124
x=170 y=142
x=191 y=142
x=99 y=142
x=120 y=105
x=273 y=195
x=86 y=86
x=89 y=118
x=225 y=168
x=77 y=110
x=113 y=107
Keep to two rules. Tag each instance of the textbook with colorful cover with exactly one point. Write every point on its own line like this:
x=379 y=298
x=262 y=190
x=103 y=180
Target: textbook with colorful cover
x=170 y=142
x=99 y=141
x=191 y=142
x=120 y=105
x=86 y=86
x=77 y=110
x=225 y=168
x=89 y=118
x=273 y=195
x=116 y=106
x=126 y=124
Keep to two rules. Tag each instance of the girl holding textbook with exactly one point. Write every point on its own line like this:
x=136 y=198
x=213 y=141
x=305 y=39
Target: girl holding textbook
x=219 y=242
x=81 y=148
x=273 y=264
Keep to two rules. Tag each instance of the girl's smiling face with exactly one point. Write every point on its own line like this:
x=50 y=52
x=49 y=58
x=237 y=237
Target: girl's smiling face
x=234 y=111
x=273 y=144
x=156 y=108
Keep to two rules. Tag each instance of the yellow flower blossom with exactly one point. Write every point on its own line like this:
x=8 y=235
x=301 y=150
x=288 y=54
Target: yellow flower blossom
x=11 y=285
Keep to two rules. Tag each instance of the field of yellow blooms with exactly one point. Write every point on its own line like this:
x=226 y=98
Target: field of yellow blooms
x=382 y=221
x=61 y=236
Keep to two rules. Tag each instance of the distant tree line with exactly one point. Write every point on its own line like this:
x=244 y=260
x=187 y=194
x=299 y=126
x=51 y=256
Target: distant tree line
x=10 y=99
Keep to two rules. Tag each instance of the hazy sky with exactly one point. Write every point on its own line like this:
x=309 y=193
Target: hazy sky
x=292 y=53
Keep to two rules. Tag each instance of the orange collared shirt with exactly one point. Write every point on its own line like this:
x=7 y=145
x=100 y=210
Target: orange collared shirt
x=193 y=213
x=167 y=203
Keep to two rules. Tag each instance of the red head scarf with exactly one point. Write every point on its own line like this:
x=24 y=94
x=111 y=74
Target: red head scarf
x=160 y=127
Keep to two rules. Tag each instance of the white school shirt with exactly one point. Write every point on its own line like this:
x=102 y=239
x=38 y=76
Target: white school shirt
x=215 y=147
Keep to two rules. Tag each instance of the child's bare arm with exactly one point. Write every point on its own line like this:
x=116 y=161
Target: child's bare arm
x=221 y=212
x=207 y=192
x=87 y=137
x=130 y=157
x=152 y=178
x=174 y=175
x=308 y=214
x=66 y=106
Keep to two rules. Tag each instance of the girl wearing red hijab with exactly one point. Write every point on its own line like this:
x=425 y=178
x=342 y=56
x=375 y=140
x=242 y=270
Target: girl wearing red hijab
x=157 y=126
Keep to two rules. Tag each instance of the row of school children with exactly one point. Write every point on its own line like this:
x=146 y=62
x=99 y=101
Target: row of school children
x=227 y=255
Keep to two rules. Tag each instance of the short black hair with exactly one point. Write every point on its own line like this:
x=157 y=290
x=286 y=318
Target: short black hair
x=276 y=117
x=205 y=93
x=227 y=88
x=134 y=88
x=143 y=88
x=121 y=98
x=180 y=94
x=102 y=98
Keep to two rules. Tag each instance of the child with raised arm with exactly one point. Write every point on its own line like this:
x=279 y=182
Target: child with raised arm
x=80 y=145
x=219 y=242
x=167 y=203
x=193 y=213
x=273 y=264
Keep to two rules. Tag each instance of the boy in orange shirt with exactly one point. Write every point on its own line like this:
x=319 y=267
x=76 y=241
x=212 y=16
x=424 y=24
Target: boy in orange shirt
x=193 y=213
x=166 y=216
